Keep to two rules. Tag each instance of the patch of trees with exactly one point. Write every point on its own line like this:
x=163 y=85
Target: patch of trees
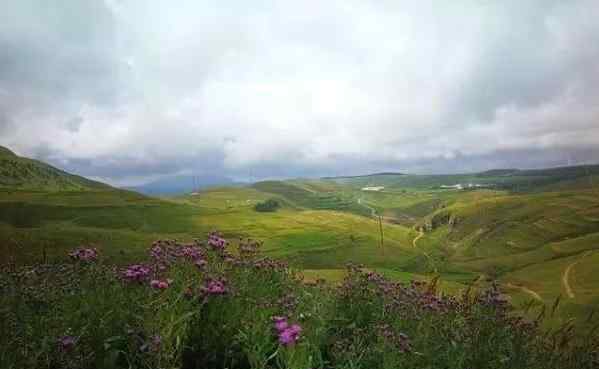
x=268 y=205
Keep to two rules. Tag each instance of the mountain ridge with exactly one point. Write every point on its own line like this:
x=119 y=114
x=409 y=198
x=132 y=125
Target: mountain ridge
x=18 y=172
x=181 y=184
x=366 y=175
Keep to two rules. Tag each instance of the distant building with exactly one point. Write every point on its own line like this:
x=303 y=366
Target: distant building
x=453 y=187
x=460 y=186
x=373 y=188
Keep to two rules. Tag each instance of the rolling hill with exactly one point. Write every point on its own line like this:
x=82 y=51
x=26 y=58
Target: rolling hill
x=514 y=180
x=182 y=184
x=538 y=241
x=28 y=174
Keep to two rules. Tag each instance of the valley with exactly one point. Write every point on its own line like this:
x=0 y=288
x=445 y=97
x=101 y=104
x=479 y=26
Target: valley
x=538 y=241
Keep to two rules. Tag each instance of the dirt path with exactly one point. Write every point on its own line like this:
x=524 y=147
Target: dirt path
x=566 y=275
x=428 y=257
x=526 y=290
x=306 y=188
x=420 y=234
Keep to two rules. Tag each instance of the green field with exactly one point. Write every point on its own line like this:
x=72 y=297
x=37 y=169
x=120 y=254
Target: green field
x=526 y=240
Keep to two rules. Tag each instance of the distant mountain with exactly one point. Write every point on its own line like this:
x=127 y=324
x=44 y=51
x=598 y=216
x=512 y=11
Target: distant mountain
x=367 y=175
x=27 y=174
x=497 y=172
x=182 y=184
x=568 y=172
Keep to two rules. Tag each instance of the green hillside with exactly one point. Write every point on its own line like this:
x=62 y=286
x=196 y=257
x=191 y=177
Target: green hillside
x=312 y=195
x=28 y=174
x=538 y=244
x=513 y=180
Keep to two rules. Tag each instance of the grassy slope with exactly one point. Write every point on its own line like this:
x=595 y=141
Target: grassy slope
x=28 y=174
x=121 y=222
x=526 y=238
x=512 y=180
x=520 y=238
x=528 y=241
x=313 y=195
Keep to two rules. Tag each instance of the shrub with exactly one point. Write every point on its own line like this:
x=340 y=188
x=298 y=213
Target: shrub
x=268 y=205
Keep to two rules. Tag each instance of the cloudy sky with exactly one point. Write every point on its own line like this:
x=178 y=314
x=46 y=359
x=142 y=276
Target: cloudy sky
x=133 y=90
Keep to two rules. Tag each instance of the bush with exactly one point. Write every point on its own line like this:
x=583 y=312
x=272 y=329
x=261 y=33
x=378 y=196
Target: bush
x=268 y=205
x=209 y=305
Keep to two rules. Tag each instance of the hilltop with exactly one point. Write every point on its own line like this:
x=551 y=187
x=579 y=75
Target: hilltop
x=514 y=180
x=182 y=184
x=6 y=152
x=366 y=175
x=29 y=174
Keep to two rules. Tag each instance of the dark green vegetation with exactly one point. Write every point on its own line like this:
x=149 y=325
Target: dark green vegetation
x=268 y=205
x=535 y=232
x=211 y=305
x=306 y=195
x=34 y=225
x=23 y=173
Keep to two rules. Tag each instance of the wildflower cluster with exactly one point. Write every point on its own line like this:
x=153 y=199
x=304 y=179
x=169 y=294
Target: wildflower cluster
x=288 y=334
x=216 y=242
x=136 y=273
x=160 y=284
x=207 y=305
x=86 y=254
x=214 y=286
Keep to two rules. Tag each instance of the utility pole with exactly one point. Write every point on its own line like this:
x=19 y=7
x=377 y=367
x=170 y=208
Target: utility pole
x=381 y=231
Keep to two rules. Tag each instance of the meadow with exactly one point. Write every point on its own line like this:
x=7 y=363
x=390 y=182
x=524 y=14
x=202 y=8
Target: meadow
x=524 y=240
x=210 y=303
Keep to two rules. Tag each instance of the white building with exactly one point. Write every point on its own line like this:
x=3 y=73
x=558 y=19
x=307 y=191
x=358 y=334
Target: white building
x=373 y=188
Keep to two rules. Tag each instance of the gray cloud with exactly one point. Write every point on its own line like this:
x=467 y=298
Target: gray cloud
x=127 y=90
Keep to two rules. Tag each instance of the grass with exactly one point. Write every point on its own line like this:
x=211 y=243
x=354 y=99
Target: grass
x=214 y=305
x=324 y=224
x=310 y=196
x=31 y=222
x=24 y=173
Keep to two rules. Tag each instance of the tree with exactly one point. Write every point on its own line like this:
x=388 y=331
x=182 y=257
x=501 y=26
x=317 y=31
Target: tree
x=268 y=205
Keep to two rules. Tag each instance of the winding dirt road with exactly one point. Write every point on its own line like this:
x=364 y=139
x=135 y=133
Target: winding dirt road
x=566 y=275
x=428 y=257
x=420 y=234
x=526 y=290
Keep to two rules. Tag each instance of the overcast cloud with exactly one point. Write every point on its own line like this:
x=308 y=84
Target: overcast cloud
x=132 y=90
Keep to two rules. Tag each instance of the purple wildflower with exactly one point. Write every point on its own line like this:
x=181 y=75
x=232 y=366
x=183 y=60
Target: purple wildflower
x=156 y=252
x=216 y=241
x=214 y=287
x=290 y=335
x=67 y=343
x=281 y=326
x=200 y=263
x=136 y=273
x=87 y=254
x=287 y=334
x=191 y=252
x=161 y=284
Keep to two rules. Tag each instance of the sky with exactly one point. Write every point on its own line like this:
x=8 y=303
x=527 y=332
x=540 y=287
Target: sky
x=130 y=91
